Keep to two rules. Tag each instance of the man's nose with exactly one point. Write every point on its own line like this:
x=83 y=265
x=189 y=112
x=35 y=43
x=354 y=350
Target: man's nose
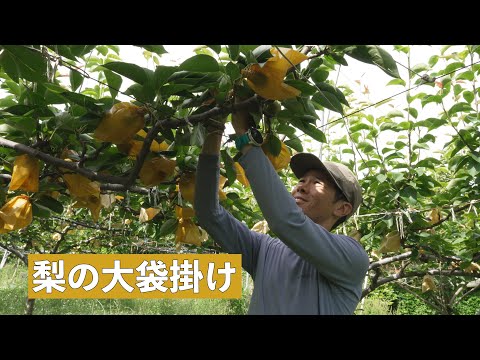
x=302 y=187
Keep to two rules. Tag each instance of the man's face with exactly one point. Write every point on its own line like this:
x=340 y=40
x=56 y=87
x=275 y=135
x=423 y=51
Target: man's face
x=315 y=195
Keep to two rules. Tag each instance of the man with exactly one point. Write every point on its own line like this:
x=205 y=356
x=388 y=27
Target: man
x=307 y=269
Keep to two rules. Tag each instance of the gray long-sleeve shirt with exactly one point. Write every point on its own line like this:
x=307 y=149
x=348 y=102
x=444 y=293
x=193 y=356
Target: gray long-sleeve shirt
x=306 y=270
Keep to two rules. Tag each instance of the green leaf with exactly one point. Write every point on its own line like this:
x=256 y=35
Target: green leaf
x=431 y=123
x=173 y=89
x=14 y=87
x=233 y=51
x=340 y=141
x=293 y=106
x=83 y=101
x=309 y=129
x=102 y=50
x=433 y=60
x=51 y=204
x=399 y=145
x=76 y=79
x=157 y=49
x=338 y=58
x=63 y=50
x=162 y=74
x=198 y=135
x=199 y=63
x=397 y=82
x=413 y=112
x=328 y=100
x=22 y=110
x=309 y=107
x=250 y=58
x=274 y=145
x=319 y=76
x=381 y=178
x=365 y=146
x=306 y=89
x=229 y=167
x=466 y=75
x=395 y=155
x=468 y=96
x=397 y=177
x=429 y=162
x=427 y=138
x=216 y=48
x=315 y=64
x=294 y=144
x=114 y=82
x=334 y=90
x=395 y=113
x=373 y=54
x=131 y=71
x=29 y=64
x=457 y=89
x=24 y=124
x=79 y=50
x=453 y=66
x=40 y=211
x=168 y=227
x=55 y=88
x=460 y=107
x=417 y=69
x=141 y=93
x=431 y=98
x=370 y=164
x=286 y=129
x=359 y=127
x=409 y=194
x=9 y=66
x=421 y=146
x=7 y=101
x=232 y=71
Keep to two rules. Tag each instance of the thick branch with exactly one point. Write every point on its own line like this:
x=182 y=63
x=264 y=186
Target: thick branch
x=90 y=226
x=389 y=260
x=120 y=187
x=476 y=288
x=16 y=252
x=398 y=276
x=451 y=303
x=92 y=175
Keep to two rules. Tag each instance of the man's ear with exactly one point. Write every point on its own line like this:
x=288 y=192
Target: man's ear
x=342 y=208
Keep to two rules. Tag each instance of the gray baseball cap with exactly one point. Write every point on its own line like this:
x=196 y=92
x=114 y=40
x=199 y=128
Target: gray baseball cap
x=341 y=175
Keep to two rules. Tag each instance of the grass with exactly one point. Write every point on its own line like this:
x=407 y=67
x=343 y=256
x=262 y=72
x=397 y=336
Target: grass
x=13 y=294
x=373 y=306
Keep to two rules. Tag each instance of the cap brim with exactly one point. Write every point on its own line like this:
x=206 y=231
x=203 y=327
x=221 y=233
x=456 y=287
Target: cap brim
x=302 y=162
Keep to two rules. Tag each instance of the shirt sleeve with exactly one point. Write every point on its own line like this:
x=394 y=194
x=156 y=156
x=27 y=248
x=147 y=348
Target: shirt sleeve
x=339 y=258
x=232 y=235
